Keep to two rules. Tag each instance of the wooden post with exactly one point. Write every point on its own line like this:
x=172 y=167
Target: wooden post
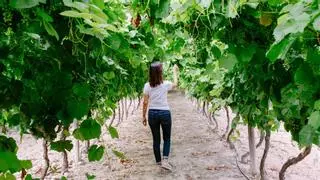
x=76 y=143
x=253 y=164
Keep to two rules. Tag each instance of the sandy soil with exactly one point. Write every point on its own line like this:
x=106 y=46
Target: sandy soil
x=197 y=152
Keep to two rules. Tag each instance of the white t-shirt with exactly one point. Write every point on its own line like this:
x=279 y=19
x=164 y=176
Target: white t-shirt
x=158 y=95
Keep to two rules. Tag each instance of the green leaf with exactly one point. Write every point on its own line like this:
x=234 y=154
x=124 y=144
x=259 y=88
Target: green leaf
x=26 y=164
x=22 y=4
x=78 y=109
x=275 y=2
x=81 y=90
x=61 y=145
x=99 y=3
x=95 y=153
x=109 y=75
x=306 y=135
x=232 y=9
x=314 y=119
x=278 y=50
x=9 y=162
x=228 y=61
x=8 y=144
x=90 y=176
x=29 y=177
x=119 y=154
x=163 y=9
x=45 y=17
x=246 y=54
x=14 y=120
x=7 y=176
x=63 y=178
x=304 y=75
x=89 y=129
x=113 y=132
x=49 y=28
x=293 y=22
x=74 y=14
x=317 y=105
x=316 y=23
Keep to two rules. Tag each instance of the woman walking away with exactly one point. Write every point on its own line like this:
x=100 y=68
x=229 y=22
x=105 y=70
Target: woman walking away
x=155 y=98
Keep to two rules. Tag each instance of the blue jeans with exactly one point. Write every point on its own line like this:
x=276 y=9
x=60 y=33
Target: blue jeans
x=157 y=118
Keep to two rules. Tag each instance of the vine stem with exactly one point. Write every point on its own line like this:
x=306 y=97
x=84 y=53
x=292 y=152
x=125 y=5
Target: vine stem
x=293 y=161
x=46 y=159
x=264 y=156
x=228 y=121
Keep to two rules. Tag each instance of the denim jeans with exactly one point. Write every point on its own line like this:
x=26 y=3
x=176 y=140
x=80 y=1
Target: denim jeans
x=157 y=118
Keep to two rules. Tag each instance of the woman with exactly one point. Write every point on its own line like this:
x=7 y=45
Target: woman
x=155 y=97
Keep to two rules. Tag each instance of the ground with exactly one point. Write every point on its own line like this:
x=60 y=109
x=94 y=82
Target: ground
x=197 y=152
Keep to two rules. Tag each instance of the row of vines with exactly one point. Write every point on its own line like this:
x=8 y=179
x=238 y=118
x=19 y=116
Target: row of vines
x=67 y=67
x=76 y=61
x=260 y=58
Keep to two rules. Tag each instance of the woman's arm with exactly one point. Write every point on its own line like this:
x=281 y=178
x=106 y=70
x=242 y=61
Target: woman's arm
x=144 y=110
x=175 y=76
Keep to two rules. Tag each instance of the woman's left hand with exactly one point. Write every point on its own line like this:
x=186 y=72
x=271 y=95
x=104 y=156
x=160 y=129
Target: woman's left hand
x=144 y=122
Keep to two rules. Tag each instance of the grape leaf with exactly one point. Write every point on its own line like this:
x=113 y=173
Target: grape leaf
x=26 y=164
x=316 y=24
x=95 y=153
x=61 y=145
x=314 y=119
x=113 y=132
x=22 y=4
x=9 y=162
x=228 y=61
x=78 y=109
x=89 y=129
x=278 y=50
x=81 y=90
x=119 y=154
x=306 y=135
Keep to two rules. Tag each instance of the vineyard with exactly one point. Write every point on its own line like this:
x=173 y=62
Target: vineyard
x=72 y=74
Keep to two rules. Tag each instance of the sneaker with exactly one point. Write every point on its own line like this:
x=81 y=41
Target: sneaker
x=159 y=164
x=166 y=165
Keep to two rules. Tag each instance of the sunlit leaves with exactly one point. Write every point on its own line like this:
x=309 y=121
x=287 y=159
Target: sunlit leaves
x=294 y=21
x=232 y=9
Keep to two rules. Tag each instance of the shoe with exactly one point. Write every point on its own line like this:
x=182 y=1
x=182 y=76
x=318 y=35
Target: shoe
x=166 y=165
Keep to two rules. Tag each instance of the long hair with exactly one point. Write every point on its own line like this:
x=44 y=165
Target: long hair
x=155 y=74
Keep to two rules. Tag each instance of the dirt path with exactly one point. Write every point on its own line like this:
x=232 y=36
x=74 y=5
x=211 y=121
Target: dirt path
x=197 y=152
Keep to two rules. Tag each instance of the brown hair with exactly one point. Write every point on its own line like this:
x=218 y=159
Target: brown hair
x=155 y=74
